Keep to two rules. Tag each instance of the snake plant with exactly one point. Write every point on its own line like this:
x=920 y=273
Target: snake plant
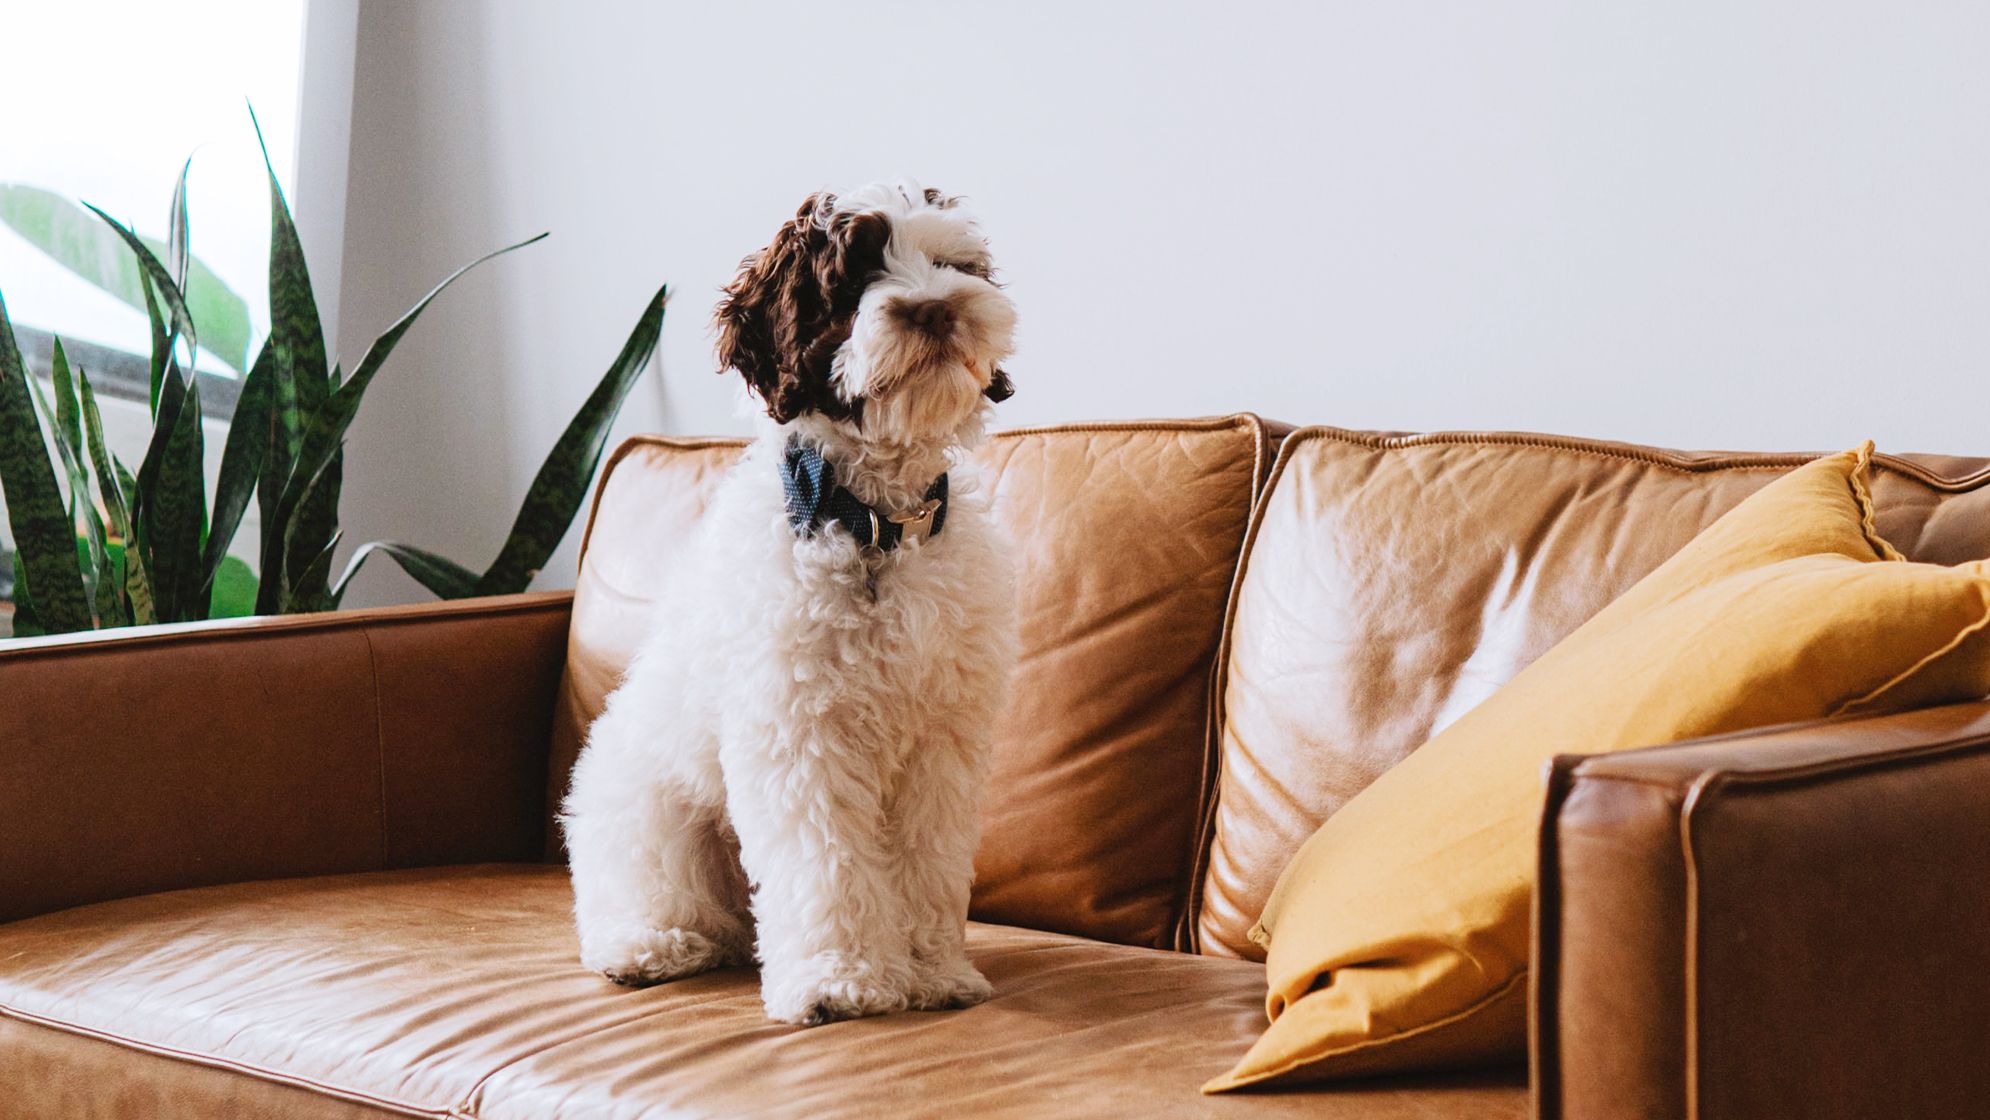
x=98 y=544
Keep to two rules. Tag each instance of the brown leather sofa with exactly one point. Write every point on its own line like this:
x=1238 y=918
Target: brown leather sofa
x=303 y=866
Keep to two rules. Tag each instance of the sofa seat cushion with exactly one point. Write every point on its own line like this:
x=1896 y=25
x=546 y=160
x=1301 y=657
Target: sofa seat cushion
x=454 y=992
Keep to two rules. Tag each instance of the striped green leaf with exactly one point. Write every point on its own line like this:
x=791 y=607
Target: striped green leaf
x=561 y=484
x=242 y=458
x=285 y=433
x=325 y=428
x=112 y=485
x=293 y=308
x=100 y=584
x=172 y=505
x=42 y=529
x=68 y=419
x=176 y=230
x=167 y=292
x=313 y=574
x=441 y=575
x=315 y=526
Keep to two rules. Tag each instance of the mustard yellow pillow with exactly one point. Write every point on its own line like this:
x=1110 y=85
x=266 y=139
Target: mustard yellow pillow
x=1397 y=937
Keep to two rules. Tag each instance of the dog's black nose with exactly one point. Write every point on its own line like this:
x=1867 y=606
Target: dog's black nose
x=935 y=316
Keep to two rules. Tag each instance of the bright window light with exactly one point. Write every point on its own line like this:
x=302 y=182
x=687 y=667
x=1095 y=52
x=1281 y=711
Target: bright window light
x=106 y=101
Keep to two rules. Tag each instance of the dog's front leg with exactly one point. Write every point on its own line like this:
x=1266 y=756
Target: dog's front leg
x=936 y=825
x=657 y=891
x=806 y=805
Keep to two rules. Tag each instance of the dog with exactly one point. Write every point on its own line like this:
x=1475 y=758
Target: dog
x=792 y=766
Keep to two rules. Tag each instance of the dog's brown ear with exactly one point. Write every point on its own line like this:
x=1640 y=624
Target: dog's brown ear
x=1000 y=388
x=853 y=253
x=790 y=308
x=757 y=316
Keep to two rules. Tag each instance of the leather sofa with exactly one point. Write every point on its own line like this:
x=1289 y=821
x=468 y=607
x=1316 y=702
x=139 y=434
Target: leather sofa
x=303 y=866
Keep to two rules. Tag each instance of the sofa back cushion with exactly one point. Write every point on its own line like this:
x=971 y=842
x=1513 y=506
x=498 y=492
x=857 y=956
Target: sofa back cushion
x=1391 y=583
x=1127 y=537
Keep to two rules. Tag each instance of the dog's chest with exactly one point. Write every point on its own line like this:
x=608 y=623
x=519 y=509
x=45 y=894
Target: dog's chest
x=891 y=627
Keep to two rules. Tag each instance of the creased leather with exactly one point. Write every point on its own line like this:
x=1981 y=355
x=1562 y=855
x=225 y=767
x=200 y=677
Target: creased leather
x=174 y=756
x=1127 y=537
x=454 y=992
x=1393 y=582
x=1779 y=923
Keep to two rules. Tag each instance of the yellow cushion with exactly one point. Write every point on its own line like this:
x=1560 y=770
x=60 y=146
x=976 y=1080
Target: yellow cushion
x=1397 y=937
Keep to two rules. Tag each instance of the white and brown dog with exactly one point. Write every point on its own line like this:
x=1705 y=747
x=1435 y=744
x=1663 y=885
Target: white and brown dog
x=796 y=754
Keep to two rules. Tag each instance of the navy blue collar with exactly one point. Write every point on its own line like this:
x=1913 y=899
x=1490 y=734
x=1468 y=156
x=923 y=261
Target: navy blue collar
x=815 y=500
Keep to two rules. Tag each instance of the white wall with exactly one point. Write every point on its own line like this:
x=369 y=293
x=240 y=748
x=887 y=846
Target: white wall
x=1705 y=225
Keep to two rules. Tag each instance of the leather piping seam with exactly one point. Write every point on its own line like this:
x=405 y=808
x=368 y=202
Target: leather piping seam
x=1544 y=1020
x=1188 y=893
x=262 y=626
x=1206 y=841
x=1706 y=788
x=230 y=1065
x=1649 y=456
x=704 y=443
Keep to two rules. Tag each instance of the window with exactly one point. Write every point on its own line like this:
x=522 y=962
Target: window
x=106 y=101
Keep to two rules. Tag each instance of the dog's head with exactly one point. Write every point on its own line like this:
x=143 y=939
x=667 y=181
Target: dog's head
x=876 y=310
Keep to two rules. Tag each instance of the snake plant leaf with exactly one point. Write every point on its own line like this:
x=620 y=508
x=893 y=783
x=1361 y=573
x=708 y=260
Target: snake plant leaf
x=68 y=235
x=27 y=623
x=65 y=451
x=172 y=392
x=325 y=429
x=242 y=458
x=313 y=575
x=293 y=309
x=561 y=484
x=172 y=504
x=314 y=527
x=168 y=292
x=176 y=229
x=162 y=346
x=178 y=507
x=441 y=575
x=285 y=434
x=112 y=485
x=99 y=581
x=67 y=415
x=42 y=529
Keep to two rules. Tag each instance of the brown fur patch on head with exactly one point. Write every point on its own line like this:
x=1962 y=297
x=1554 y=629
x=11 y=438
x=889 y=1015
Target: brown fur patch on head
x=793 y=304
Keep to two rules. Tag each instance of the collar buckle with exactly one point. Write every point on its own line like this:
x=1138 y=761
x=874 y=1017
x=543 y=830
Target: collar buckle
x=916 y=524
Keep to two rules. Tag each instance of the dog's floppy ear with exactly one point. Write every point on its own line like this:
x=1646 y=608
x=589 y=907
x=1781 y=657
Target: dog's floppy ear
x=756 y=318
x=1000 y=388
x=791 y=307
x=853 y=251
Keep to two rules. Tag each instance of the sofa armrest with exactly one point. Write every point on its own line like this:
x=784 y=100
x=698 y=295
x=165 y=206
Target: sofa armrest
x=1788 y=922
x=162 y=757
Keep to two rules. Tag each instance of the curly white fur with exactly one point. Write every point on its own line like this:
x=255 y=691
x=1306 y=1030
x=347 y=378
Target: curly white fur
x=795 y=757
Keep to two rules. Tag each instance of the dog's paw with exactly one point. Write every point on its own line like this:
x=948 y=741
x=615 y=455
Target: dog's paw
x=638 y=958
x=832 y=988
x=948 y=986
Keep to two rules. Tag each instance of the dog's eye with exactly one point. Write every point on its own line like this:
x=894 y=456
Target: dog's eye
x=972 y=268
